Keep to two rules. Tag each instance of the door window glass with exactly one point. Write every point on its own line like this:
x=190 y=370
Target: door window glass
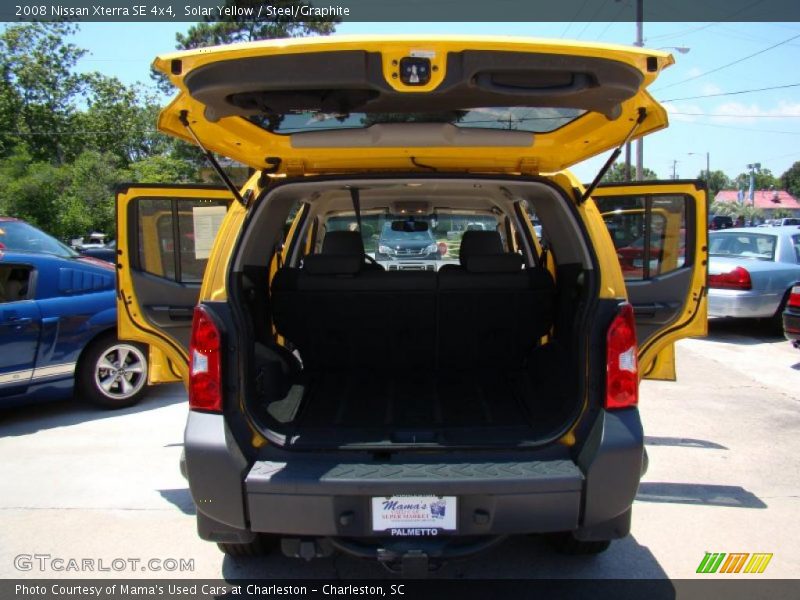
x=14 y=283
x=649 y=233
x=175 y=236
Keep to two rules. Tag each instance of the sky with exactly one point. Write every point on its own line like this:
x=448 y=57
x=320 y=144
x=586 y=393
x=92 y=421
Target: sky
x=734 y=130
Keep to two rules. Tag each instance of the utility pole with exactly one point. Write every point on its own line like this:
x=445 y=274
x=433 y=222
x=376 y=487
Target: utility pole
x=639 y=43
x=639 y=145
x=708 y=165
x=674 y=169
x=752 y=191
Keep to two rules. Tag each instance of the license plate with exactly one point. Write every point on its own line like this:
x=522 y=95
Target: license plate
x=414 y=515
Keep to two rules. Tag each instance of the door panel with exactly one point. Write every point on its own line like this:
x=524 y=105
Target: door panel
x=659 y=231
x=165 y=235
x=20 y=328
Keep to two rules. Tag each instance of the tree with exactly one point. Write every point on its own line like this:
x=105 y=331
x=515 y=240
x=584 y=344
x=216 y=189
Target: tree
x=162 y=169
x=790 y=180
x=38 y=88
x=216 y=30
x=65 y=200
x=120 y=120
x=764 y=180
x=716 y=182
x=616 y=174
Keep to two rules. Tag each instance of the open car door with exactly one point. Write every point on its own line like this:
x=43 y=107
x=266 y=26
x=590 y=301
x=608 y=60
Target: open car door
x=659 y=230
x=164 y=239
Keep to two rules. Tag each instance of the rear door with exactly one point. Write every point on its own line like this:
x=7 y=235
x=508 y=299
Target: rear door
x=659 y=231
x=165 y=235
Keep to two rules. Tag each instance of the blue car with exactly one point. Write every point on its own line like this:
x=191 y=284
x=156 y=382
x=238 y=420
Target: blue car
x=58 y=325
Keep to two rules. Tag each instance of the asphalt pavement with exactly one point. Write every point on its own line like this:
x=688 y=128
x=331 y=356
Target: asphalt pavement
x=724 y=476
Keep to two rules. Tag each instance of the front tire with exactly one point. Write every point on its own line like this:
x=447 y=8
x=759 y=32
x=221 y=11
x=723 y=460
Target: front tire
x=112 y=374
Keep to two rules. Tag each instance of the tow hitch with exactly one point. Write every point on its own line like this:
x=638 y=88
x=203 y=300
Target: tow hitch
x=412 y=564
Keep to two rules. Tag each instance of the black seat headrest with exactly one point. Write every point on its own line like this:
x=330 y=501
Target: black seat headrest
x=480 y=243
x=343 y=243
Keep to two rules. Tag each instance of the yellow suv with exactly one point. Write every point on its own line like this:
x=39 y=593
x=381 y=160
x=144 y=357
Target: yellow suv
x=384 y=355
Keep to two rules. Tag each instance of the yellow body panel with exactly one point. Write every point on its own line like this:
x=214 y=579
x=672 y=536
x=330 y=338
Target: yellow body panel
x=169 y=360
x=657 y=354
x=243 y=141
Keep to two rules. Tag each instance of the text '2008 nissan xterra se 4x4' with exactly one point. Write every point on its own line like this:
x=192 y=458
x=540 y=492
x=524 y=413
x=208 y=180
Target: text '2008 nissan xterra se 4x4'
x=411 y=411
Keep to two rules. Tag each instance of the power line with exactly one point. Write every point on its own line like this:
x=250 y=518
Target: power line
x=743 y=116
x=750 y=129
x=622 y=7
x=728 y=18
x=591 y=20
x=776 y=87
x=730 y=64
x=575 y=16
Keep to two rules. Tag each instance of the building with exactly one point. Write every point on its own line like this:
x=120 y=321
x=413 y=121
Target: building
x=768 y=201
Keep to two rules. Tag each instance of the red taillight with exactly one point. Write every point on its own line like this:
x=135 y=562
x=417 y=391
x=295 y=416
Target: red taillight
x=622 y=365
x=205 y=389
x=738 y=279
x=794 y=297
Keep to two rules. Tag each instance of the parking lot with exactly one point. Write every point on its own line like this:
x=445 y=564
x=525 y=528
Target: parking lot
x=723 y=477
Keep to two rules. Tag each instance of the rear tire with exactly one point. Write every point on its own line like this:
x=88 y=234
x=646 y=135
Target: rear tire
x=112 y=374
x=261 y=545
x=565 y=543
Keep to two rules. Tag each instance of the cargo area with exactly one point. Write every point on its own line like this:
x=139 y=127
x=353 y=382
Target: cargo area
x=480 y=351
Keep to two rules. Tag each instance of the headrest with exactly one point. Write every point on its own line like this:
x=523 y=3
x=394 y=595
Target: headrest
x=343 y=243
x=333 y=264
x=492 y=263
x=475 y=243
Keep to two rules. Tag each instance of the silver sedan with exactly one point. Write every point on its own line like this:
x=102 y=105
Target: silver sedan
x=751 y=270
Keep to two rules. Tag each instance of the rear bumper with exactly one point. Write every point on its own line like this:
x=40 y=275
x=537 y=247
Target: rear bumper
x=332 y=498
x=589 y=491
x=743 y=304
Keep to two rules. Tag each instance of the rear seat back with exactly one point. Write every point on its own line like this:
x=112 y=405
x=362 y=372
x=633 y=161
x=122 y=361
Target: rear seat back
x=341 y=312
x=365 y=319
x=488 y=313
x=492 y=313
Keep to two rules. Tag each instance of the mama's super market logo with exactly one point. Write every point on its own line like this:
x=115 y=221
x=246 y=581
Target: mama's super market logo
x=734 y=562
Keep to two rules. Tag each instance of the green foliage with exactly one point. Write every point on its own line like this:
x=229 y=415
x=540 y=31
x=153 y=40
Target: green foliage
x=38 y=88
x=718 y=181
x=120 y=120
x=764 y=180
x=161 y=169
x=747 y=212
x=790 y=180
x=726 y=209
x=616 y=174
x=65 y=200
x=67 y=139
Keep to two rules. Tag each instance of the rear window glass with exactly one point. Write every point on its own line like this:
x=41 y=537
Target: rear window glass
x=518 y=118
x=440 y=241
x=743 y=245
